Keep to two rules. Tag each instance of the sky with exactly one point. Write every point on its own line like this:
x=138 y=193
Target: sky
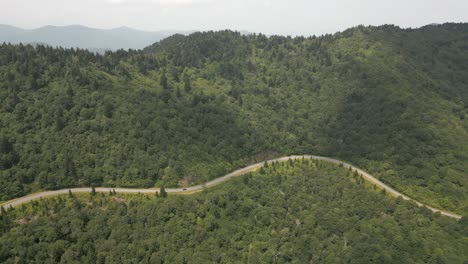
x=285 y=17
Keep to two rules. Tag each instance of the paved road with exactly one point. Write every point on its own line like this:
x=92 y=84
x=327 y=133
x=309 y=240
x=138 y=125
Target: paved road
x=197 y=188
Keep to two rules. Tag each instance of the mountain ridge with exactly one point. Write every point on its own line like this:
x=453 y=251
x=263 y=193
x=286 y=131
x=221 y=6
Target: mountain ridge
x=79 y=36
x=392 y=101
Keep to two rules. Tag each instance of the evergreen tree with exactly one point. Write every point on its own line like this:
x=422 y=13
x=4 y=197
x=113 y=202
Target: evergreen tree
x=70 y=169
x=164 y=82
x=108 y=109
x=262 y=170
x=5 y=145
x=178 y=94
x=162 y=192
x=187 y=84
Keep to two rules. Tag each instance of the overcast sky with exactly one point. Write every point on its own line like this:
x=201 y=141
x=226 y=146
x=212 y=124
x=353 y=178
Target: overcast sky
x=287 y=17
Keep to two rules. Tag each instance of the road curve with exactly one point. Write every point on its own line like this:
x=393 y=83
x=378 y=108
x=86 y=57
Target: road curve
x=197 y=188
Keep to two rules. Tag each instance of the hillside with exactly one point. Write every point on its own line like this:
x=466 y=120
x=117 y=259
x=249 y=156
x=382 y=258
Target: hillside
x=77 y=36
x=188 y=109
x=297 y=211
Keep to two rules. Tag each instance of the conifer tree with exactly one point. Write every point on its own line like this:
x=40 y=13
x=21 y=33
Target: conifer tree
x=187 y=84
x=162 y=192
x=178 y=93
x=163 y=81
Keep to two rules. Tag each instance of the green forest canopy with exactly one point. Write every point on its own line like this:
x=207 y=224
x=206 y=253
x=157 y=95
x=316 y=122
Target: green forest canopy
x=391 y=101
x=299 y=211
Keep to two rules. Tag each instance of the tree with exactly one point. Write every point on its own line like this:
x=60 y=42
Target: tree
x=187 y=83
x=5 y=222
x=93 y=191
x=178 y=94
x=69 y=168
x=68 y=99
x=162 y=192
x=70 y=92
x=5 y=145
x=164 y=82
x=33 y=85
x=108 y=109
x=59 y=124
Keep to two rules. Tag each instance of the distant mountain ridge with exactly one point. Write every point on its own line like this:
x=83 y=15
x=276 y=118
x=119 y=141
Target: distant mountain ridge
x=78 y=36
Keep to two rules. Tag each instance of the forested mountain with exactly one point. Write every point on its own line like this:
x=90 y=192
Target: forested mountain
x=292 y=212
x=190 y=108
x=77 y=36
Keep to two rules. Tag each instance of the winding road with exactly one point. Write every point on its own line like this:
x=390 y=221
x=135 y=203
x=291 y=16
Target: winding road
x=197 y=188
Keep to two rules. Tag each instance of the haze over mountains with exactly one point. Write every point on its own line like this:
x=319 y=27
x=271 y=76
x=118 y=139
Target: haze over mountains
x=83 y=37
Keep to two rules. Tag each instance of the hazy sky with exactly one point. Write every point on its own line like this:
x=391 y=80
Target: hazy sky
x=267 y=16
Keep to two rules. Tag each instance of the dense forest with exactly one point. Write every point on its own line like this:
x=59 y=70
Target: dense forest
x=392 y=101
x=299 y=211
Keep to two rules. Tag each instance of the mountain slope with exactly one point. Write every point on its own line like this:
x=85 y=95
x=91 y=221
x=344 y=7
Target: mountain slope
x=297 y=212
x=189 y=109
